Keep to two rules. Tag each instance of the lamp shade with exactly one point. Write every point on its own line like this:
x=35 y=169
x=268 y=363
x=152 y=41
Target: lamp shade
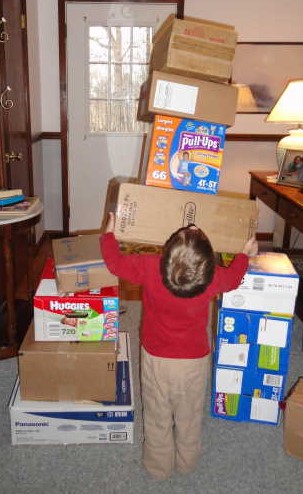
x=289 y=107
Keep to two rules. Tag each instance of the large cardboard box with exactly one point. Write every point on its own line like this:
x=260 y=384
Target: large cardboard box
x=270 y=285
x=194 y=47
x=185 y=154
x=151 y=214
x=68 y=422
x=55 y=371
x=184 y=97
x=80 y=316
x=293 y=421
x=79 y=265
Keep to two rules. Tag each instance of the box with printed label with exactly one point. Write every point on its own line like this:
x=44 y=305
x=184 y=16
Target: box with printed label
x=194 y=47
x=79 y=265
x=184 y=97
x=239 y=326
x=243 y=408
x=150 y=214
x=80 y=316
x=68 y=422
x=251 y=381
x=185 y=154
x=65 y=370
x=270 y=285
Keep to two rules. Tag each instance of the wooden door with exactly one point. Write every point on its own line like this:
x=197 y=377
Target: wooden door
x=15 y=137
x=15 y=132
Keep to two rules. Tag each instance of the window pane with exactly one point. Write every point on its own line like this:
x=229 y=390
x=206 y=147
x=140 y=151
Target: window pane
x=142 y=41
x=139 y=75
x=98 y=77
x=98 y=121
x=120 y=44
x=98 y=44
x=118 y=65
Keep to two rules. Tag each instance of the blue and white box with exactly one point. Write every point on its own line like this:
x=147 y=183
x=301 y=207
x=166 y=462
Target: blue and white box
x=257 y=383
x=243 y=408
x=63 y=422
x=236 y=326
x=270 y=285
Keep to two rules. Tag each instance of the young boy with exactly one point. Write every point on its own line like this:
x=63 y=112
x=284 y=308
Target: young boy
x=177 y=289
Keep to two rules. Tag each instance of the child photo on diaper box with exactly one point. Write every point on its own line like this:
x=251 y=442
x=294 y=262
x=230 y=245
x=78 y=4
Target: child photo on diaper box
x=185 y=154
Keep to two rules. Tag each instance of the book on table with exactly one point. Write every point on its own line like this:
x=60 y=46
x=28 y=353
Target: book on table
x=27 y=206
x=7 y=201
x=6 y=193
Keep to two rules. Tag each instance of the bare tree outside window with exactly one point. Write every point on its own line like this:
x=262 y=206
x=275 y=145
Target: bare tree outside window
x=118 y=65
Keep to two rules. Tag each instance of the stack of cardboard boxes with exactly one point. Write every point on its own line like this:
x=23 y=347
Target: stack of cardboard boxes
x=74 y=382
x=253 y=342
x=190 y=100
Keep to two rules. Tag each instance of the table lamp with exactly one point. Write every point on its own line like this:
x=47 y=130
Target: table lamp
x=289 y=109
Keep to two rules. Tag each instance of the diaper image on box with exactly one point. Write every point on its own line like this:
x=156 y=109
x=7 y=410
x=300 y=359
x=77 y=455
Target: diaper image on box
x=185 y=154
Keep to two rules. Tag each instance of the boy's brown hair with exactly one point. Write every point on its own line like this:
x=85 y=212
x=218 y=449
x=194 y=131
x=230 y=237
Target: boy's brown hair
x=187 y=262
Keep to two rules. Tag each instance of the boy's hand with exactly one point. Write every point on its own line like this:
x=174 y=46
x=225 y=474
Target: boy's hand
x=110 y=226
x=251 y=247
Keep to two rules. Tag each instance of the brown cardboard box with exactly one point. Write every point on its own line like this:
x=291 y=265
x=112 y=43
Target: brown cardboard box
x=147 y=214
x=194 y=47
x=58 y=371
x=180 y=96
x=112 y=194
x=79 y=265
x=293 y=422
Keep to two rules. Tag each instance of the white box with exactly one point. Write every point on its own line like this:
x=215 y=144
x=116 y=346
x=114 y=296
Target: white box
x=270 y=285
x=38 y=422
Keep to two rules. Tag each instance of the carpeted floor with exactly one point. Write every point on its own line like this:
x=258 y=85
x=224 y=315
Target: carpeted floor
x=239 y=458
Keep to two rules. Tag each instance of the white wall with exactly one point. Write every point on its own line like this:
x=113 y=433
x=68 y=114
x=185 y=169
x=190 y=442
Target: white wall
x=270 y=20
x=35 y=103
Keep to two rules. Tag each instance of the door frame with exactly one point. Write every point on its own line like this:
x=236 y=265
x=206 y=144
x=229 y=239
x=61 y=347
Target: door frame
x=63 y=91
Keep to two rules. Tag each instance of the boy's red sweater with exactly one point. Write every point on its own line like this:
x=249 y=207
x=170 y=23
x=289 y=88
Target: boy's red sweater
x=172 y=327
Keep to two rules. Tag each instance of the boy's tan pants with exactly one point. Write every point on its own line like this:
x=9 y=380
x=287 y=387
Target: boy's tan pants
x=173 y=393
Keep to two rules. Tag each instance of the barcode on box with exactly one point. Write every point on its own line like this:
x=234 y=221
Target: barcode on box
x=273 y=380
x=53 y=329
x=258 y=284
x=118 y=436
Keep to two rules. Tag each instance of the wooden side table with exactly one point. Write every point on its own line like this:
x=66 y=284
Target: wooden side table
x=7 y=223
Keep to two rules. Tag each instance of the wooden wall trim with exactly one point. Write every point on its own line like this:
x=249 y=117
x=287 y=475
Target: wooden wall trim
x=229 y=137
x=254 y=137
x=46 y=136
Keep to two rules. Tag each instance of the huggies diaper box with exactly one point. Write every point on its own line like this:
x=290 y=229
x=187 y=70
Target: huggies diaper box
x=72 y=422
x=80 y=316
x=185 y=154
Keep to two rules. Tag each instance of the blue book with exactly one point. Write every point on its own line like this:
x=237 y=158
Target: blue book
x=8 y=201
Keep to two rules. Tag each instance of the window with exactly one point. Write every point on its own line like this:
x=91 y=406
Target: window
x=118 y=65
